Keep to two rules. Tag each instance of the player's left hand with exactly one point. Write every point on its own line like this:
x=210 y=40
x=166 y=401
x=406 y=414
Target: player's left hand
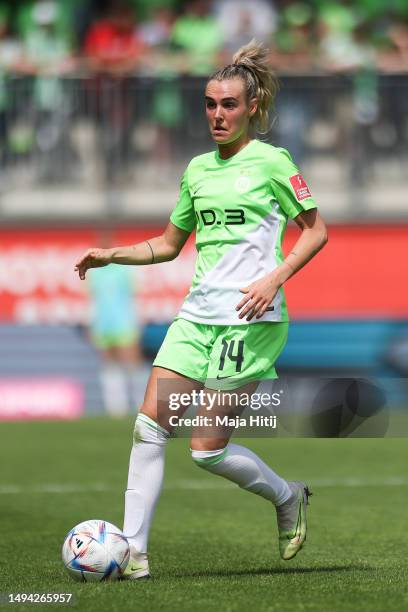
x=258 y=296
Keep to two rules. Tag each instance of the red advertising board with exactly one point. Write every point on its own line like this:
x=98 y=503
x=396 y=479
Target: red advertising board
x=38 y=283
x=361 y=273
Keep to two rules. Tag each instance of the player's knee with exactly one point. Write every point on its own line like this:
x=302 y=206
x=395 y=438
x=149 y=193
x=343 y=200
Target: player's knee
x=207 y=459
x=147 y=430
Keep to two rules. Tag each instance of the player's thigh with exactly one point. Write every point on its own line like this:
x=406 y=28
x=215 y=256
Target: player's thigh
x=161 y=387
x=241 y=357
x=126 y=354
x=218 y=414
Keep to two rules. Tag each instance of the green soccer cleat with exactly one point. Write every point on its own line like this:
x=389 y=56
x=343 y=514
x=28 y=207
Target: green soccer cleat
x=138 y=566
x=291 y=518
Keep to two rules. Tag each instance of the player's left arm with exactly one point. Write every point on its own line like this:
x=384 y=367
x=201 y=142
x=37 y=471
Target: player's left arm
x=259 y=294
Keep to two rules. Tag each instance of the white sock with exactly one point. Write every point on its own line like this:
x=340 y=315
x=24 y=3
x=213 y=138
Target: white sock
x=145 y=480
x=246 y=469
x=114 y=390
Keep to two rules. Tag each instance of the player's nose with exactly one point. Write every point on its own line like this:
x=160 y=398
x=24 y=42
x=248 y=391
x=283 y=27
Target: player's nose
x=218 y=112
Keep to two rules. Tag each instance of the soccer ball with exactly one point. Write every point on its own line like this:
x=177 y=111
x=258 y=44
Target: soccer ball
x=95 y=550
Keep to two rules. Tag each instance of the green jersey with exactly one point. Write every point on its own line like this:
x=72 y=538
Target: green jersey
x=239 y=208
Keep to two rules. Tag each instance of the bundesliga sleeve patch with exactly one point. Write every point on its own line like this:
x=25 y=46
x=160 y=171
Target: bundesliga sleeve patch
x=300 y=187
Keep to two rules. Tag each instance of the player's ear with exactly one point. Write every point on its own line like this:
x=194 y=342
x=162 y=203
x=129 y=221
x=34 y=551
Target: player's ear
x=253 y=106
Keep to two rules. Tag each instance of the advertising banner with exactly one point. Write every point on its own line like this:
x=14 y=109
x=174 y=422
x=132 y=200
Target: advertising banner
x=41 y=399
x=38 y=283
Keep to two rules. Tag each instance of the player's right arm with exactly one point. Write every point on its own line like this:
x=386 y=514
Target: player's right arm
x=161 y=248
x=155 y=250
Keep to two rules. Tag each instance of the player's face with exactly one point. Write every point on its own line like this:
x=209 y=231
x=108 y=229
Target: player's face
x=228 y=111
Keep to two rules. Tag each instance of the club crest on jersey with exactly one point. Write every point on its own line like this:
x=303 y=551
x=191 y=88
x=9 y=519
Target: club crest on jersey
x=300 y=187
x=243 y=183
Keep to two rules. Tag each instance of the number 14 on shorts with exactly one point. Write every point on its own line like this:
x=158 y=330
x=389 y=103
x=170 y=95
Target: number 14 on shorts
x=228 y=351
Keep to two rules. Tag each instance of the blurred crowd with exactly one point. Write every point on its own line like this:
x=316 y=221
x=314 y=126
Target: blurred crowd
x=126 y=37
x=118 y=65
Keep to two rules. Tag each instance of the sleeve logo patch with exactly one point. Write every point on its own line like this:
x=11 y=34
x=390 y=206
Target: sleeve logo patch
x=300 y=187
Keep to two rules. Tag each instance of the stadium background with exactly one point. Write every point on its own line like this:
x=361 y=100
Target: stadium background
x=100 y=110
x=97 y=122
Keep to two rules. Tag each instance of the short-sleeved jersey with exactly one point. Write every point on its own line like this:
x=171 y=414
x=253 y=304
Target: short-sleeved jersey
x=239 y=208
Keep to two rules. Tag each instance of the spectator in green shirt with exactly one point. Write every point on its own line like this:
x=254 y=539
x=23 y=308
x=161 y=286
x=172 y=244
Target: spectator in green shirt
x=197 y=33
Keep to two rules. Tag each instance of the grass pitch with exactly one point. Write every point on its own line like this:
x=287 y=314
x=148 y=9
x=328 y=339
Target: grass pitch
x=213 y=546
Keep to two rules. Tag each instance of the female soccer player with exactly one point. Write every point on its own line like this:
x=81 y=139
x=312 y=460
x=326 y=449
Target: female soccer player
x=233 y=323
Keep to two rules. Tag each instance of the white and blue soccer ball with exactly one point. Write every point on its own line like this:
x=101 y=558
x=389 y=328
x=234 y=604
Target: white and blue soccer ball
x=95 y=550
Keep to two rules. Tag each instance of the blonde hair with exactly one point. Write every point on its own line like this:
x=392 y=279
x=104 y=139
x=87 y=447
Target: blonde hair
x=250 y=63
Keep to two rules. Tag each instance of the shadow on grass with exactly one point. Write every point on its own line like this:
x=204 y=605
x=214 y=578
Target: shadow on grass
x=271 y=571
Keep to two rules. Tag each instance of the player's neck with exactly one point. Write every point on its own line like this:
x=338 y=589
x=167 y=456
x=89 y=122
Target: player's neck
x=228 y=150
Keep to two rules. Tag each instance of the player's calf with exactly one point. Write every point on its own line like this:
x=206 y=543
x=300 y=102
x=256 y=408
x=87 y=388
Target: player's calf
x=145 y=479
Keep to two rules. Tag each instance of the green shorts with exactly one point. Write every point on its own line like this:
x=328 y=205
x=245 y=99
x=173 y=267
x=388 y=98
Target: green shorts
x=223 y=356
x=108 y=340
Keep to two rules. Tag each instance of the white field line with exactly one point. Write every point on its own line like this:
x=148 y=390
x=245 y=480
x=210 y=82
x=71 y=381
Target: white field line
x=187 y=485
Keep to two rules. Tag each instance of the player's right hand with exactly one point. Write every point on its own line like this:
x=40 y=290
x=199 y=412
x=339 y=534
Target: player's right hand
x=93 y=258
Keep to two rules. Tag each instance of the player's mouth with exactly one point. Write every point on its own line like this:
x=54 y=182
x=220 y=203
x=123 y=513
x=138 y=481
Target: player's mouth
x=218 y=129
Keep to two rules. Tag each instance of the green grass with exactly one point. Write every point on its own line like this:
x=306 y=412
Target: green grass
x=213 y=546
